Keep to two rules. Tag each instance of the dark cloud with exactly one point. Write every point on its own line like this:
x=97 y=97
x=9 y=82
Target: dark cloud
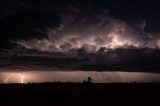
x=30 y=19
x=77 y=35
x=25 y=20
x=140 y=60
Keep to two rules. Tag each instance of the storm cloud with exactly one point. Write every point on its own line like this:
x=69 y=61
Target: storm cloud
x=92 y=29
x=75 y=36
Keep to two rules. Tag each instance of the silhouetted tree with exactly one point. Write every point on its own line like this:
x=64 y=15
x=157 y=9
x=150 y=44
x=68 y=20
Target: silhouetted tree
x=89 y=79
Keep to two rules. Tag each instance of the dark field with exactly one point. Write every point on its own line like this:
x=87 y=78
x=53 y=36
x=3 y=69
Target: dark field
x=80 y=94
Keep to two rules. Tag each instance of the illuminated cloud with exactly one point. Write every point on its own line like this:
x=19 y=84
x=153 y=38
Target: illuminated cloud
x=91 y=32
x=88 y=37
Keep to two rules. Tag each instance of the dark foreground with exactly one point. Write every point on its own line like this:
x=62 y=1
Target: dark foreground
x=80 y=94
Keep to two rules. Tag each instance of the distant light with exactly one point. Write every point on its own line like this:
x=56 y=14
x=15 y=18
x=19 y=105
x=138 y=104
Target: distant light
x=15 y=78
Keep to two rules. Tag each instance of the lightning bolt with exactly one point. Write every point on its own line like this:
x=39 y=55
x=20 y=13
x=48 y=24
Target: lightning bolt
x=21 y=78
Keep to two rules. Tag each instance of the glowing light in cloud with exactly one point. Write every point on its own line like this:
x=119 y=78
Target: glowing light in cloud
x=18 y=77
x=15 y=78
x=92 y=33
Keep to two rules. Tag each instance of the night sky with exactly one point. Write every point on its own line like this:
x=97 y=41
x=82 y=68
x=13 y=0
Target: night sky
x=80 y=35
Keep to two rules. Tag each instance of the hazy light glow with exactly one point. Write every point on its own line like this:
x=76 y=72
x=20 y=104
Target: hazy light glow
x=16 y=77
x=78 y=76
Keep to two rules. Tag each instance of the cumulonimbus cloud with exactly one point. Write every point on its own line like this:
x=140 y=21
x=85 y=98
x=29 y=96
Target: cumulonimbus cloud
x=90 y=30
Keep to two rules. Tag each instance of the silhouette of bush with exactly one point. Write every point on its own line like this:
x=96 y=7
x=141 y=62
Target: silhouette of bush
x=89 y=79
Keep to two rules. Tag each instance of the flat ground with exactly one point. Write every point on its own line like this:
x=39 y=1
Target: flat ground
x=80 y=94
